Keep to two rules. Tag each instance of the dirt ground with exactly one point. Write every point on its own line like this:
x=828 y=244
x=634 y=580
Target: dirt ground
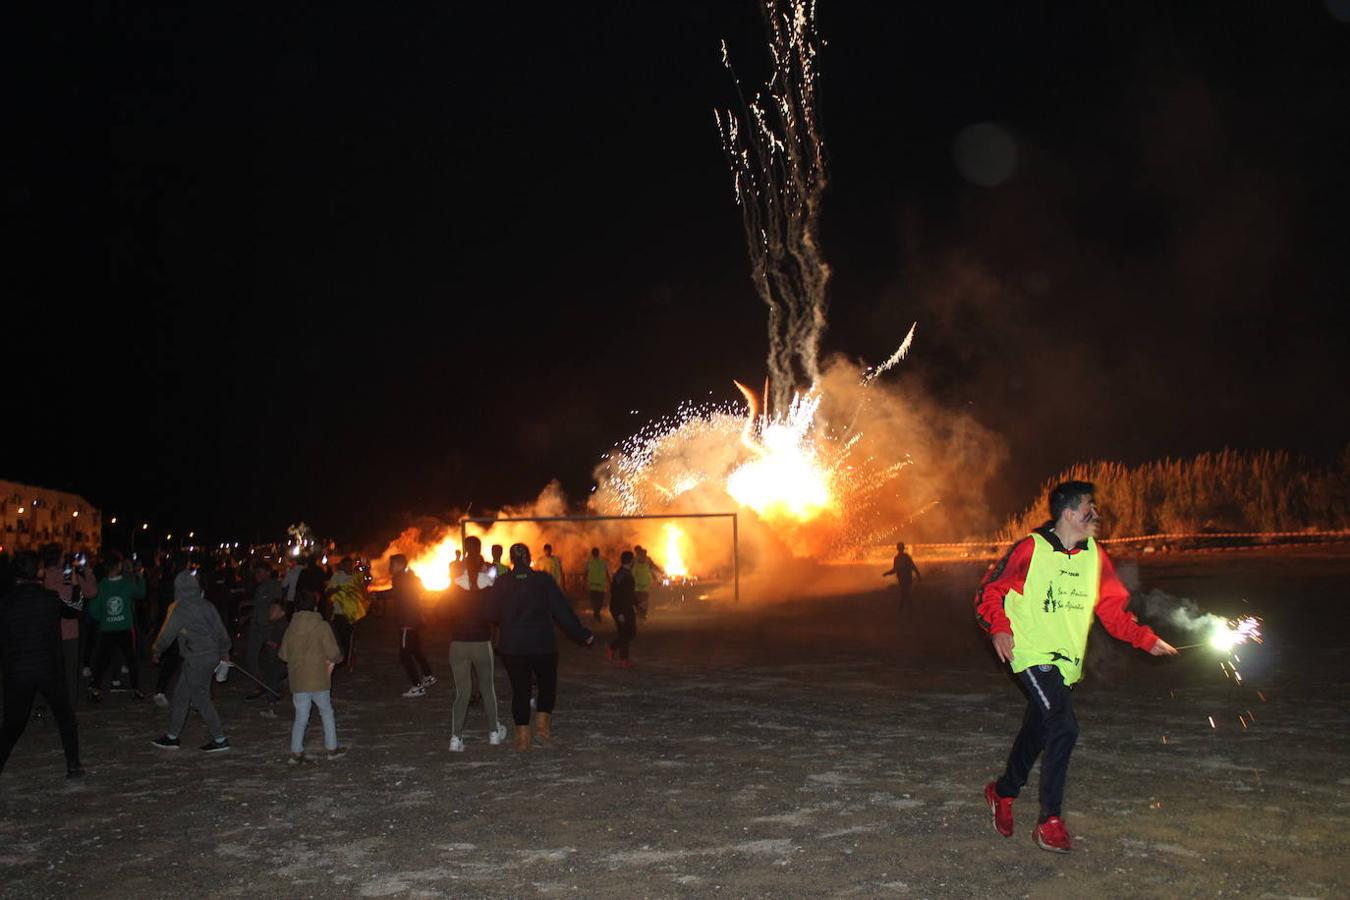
x=835 y=746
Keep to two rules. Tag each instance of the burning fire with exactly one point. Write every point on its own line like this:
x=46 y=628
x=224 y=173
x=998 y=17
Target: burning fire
x=674 y=543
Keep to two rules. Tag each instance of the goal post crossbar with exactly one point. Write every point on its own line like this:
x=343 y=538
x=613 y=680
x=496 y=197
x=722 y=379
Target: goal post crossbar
x=734 y=517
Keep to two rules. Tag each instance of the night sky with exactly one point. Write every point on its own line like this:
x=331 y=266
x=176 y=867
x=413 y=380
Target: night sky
x=351 y=263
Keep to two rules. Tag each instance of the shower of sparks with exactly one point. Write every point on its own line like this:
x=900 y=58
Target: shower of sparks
x=776 y=154
x=1236 y=631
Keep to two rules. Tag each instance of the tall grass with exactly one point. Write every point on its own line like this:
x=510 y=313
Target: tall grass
x=1269 y=490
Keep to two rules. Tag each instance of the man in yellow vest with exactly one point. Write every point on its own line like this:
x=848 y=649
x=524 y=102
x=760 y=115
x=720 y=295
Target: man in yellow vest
x=1037 y=605
x=645 y=571
x=597 y=576
x=551 y=565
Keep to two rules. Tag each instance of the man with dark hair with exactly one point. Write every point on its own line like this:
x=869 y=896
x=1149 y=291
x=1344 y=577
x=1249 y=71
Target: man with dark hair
x=904 y=570
x=1037 y=605
x=406 y=597
x=526 y=604
x=552 y=566
x=623 y=609
x=30 y=644
x=114 y=608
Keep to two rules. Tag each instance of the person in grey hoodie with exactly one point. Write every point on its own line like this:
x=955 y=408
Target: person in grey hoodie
x=204 y=645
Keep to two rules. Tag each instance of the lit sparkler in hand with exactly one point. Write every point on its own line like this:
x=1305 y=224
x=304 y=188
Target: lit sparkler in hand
x=1229 y=634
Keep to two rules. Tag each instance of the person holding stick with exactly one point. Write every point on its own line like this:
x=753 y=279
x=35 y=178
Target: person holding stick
x=204 y=644
x=1037 y=605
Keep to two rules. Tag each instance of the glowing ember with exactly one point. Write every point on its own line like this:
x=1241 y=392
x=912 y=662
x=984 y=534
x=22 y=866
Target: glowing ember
x=1234 y=632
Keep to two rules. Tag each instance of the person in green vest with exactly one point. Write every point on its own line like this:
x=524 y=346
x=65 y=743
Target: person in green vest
x=499 y=568
x=645 y=571
x=1037 y=604
x=597 y=577
x=551 y=565
x=113 y=608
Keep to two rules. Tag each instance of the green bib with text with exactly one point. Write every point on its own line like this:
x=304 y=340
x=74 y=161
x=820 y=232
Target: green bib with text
x=1052 y=615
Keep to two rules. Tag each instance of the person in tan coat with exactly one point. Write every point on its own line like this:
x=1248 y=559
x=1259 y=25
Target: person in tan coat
x=311 y=652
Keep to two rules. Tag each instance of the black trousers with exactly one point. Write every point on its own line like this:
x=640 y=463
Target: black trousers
x=624 y=633
x=526 y=670
x=411 y=655
x=19 y=694
x=342 y=630
x=1049 y=726
x=123 y=642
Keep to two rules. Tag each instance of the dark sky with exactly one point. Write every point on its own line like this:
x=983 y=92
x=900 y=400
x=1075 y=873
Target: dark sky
x=353 y=262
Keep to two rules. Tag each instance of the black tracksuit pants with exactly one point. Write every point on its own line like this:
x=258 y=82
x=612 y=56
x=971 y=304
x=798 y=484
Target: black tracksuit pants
x=542 y=668
x=1049 y=726
x=19 y=694
x=624 y=632
x=125 y=645
x=411 y=655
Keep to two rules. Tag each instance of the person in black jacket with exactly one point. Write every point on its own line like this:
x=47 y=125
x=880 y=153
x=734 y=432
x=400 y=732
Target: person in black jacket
x=623 y=607
x=406 y=595
x=526 y=604
x=30 y=635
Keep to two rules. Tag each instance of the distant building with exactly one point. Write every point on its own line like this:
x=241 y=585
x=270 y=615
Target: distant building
x=33 y=516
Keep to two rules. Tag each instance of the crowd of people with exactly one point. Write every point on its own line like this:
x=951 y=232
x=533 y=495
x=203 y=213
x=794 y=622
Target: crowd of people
x=1037 y=604
x=288 y=625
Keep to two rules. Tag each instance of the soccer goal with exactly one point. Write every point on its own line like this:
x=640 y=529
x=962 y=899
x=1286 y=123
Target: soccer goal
x=489 y=521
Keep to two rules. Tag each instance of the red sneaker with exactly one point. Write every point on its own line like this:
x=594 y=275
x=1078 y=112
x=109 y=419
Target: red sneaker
x=609 y=654
x=1001 y=807
x=625 y=664
x=1053 y=836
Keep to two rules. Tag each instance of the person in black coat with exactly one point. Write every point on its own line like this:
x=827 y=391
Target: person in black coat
x=525 y=604
x=30 y=635
x=623 y=608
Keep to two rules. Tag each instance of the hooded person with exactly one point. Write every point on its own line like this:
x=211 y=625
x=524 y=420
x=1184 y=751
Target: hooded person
x=204 y=644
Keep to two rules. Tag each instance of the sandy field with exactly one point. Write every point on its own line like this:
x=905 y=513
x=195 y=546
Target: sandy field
x=831 y=746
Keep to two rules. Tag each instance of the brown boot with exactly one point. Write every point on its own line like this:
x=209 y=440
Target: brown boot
x=541 y=727
x=522 y=737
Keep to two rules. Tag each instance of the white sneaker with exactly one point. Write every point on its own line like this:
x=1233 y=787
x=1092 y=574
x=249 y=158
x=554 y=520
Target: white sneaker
x=457 y=745
x=532 y=702
x=415 y=691
x=161 y=700
x=497 y=736
x=428 y=681
x=86 y=672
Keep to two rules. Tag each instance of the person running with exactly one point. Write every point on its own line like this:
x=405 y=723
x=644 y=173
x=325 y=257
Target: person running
x=623 y=609
x=645 y=571
x=195 y=626
x=31 y=661
x=904 y=570
x=114 y=609
x=597 y=577
x=406 y=595
x=471 y=644
x=311 y=651
x=526 y=604
x=1037 y=605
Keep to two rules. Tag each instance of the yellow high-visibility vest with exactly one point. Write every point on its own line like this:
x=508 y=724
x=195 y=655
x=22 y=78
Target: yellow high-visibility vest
x=1052 y=615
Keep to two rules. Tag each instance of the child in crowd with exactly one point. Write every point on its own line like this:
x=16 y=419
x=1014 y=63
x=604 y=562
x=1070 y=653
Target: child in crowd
x=311 y=651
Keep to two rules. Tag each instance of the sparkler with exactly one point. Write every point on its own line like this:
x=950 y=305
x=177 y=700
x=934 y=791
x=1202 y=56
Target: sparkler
x=1231 y=633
